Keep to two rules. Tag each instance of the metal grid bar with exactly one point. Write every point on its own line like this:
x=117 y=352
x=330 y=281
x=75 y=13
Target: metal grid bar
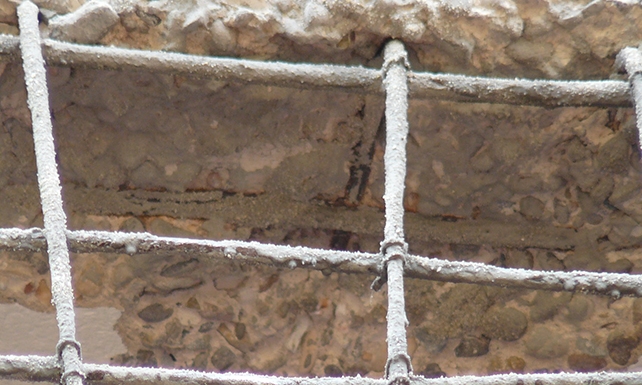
x=630 y=60
x=45 y=369
x=415 y=266
x=393 y=247
x=68 y=348
x=422 y=85
x=392 y=263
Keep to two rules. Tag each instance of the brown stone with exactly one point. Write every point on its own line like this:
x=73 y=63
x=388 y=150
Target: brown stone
x=515 y=364
x=620 y=345
x=43 y=293
x=581 y=362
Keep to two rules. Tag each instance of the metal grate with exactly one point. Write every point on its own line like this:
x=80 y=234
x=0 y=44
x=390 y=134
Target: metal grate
x=390 y=265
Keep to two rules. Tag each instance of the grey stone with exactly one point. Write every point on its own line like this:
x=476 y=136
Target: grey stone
x=519 y=259
x=506 y=324
x=482 y=161
x=332 y=371
x=578 y=308
x=620 y=345
x=585 y=257
x=180 y=268
x=594 y=347
x=184 y=173
x=622 y=229
x=529 y=52
x=546 y=305
x=132 y=152
x=146 y=358
x=524 y=185
x=200 y=361
x=87 y=25
x=547 y=261
x=146 y=176
x=132 y=225
x=561 y=213
x=161 y=227
x=613 y=156
x=624 y=190
x=223 y=358
x=594 y=219
x=472 y=346
x=584 y=175
x=544 y=343
x=507 y=150
x=206 y=327
x=576 y=150
x=531 y=207
x=622 y=265
x=637 y=310
x=155 y=313
x=602 y=189
x=433 y=342
x=432 y=370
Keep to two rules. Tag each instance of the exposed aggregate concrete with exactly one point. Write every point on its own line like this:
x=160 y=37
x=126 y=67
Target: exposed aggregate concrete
x=525 y=187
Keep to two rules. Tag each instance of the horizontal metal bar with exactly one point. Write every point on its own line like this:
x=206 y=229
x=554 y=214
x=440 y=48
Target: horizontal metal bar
x=45 y=369
x=340 y=261
x=545 y=93
x=548 y=93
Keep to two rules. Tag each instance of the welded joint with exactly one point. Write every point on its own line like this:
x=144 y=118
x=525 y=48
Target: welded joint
x=70 y=359
x=395 y=53
x=64 y=378
x=62 y=344
x=389 y=251
x=399 y=359
x=629 y=60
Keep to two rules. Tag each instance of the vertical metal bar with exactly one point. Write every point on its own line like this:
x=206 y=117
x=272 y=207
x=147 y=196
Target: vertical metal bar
x=636 y=94
x=33 y=63
x=394 y=247
x=630 y=59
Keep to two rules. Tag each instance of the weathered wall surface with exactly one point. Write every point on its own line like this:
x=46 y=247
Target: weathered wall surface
x=526 y=187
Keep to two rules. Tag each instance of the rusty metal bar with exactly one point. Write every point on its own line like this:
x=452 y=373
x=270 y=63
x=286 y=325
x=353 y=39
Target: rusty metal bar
x=422 y=85
x=68 y=348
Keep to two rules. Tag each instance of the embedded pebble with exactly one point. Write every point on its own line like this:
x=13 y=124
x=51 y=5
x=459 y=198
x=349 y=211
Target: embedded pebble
x=620 y=345
x=132 y=225
x=544 y=343
x=180 y=268
x=223 y=358
x=472 y=346
x=87 y=25
x=506 y=324
x=581 y=362
x=332 y=371
x=613 y=156
x=578 y=308
x=546 y=305
x=637 y=310
x=432 y=370
x=155 y=313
